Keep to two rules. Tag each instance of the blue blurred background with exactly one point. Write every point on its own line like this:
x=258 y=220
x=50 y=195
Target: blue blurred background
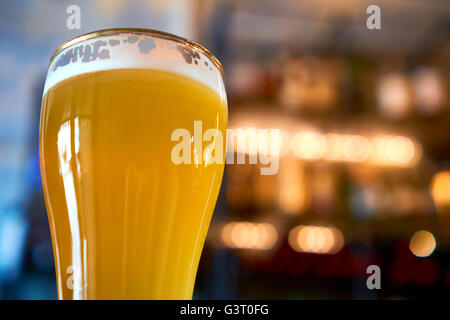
x=311 y=68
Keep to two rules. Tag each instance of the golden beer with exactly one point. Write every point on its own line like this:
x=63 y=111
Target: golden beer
x=126 y=221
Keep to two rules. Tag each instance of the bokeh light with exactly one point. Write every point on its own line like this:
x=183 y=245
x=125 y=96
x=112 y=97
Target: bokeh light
x=429 y=90
x=393 y=95
x=440 y=189
x=248 y=235
x=352 y=148
x=309 y=145
x=422 y=243
x=394 y=150
x=292 y=195
x=316 y=239
x=382 y=149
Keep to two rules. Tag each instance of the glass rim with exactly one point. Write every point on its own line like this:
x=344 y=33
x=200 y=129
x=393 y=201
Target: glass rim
x=157 y=33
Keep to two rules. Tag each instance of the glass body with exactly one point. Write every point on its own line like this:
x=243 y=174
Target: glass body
x=126 y=221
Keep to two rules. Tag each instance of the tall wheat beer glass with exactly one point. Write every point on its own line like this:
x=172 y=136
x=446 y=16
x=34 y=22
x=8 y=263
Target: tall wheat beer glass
x=127 y=221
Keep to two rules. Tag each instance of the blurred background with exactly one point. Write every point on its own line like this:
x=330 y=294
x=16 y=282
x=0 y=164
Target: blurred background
x=364 y=172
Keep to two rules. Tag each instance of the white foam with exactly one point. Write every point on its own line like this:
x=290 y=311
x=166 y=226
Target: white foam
x=164 y=55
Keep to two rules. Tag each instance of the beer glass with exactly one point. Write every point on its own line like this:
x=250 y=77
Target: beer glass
x=127 y=220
